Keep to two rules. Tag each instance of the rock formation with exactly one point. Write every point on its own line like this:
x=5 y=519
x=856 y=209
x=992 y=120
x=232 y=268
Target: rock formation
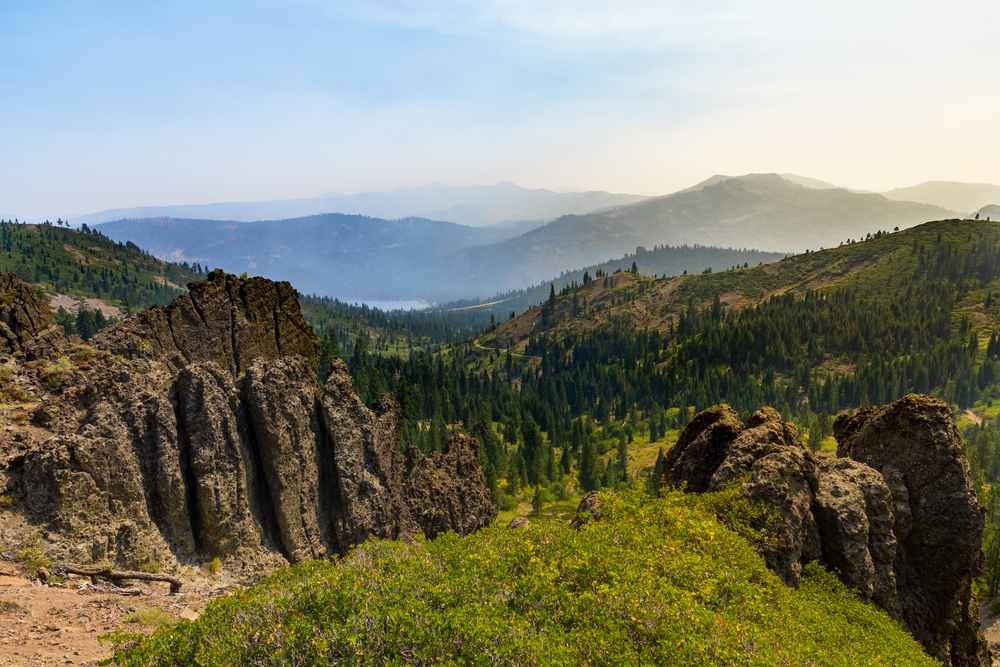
x=200 y=431
x=26 y=323
x=895 y=515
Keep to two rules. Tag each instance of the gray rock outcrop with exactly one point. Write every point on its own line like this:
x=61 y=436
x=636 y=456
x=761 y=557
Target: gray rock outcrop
x=895 y=515
x=204 y=433
x=26 y=323
x=446 y=490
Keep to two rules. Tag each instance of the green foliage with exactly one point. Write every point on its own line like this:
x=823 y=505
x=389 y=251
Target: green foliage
x=657 y=582
x=24 y=546
x=154 y=618
x=982 y=449
x=54 y=373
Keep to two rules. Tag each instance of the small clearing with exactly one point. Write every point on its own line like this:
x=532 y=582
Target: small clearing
x=70 y=303
x=164 y=281
x=76 y=253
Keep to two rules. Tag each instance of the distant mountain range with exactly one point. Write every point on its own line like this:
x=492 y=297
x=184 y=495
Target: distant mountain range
x=762 y=211
x=354 y=256
x=474 y=205
x=965 y=197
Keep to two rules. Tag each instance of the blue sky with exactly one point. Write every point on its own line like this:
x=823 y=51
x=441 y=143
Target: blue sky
x=108 y=104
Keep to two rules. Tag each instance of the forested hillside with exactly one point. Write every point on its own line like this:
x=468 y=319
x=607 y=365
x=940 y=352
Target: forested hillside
x=662 y=260
x=87 y=263
x=67 y=265
x=575 y=386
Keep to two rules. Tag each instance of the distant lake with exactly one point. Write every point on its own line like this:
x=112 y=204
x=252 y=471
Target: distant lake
x=411 y=304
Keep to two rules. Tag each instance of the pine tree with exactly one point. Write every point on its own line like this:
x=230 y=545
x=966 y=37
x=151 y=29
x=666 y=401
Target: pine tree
x=588 y=463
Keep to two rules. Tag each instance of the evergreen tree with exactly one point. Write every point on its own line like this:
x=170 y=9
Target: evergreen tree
x=329 y=350
x=588 y=467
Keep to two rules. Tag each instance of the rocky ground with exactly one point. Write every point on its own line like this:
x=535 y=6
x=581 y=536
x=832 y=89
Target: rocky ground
x=48 y=625
x=991 y=630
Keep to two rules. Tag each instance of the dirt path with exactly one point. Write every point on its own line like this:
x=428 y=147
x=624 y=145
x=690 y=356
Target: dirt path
x=43 y=625
x=974 y=418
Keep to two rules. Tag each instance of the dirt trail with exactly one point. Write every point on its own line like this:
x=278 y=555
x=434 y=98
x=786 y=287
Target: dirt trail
x=44 y=625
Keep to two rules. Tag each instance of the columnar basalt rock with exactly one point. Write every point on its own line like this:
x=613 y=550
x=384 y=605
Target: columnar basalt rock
x=365 y=452
x=204 y=433
x=914 y=441
x=896 y=516
x=224 y=319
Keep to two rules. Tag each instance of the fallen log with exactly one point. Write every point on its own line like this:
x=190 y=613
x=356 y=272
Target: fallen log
x=114 y=576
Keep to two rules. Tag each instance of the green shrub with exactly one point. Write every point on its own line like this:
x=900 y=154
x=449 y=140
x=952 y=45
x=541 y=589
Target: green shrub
x=154 y=618
x=654 y=581
x=150 y=565
x=24 y=547
x=507 y=503
x=53 y=374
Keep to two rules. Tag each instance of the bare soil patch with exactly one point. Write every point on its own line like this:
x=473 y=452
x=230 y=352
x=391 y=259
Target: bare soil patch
x=76 y=253
x=69 y=303
x=49 y=625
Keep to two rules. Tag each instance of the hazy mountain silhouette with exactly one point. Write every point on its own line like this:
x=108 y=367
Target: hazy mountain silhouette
x=762 y=211
x=361 y=257
x=964 y=197
x=474 y=205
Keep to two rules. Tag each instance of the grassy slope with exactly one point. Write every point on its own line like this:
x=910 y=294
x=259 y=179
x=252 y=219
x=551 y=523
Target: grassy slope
x=653 y=582
x=872 y=267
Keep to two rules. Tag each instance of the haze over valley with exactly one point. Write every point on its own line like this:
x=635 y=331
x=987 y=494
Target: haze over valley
x=361 y=257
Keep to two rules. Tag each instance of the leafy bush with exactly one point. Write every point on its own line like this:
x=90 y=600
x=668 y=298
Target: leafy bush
x=652 y=582
x=507 y=503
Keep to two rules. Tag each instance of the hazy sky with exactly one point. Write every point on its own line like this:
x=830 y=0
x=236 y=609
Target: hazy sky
x=106 y=104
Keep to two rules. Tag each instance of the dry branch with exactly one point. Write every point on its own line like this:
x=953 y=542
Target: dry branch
x=113 y=576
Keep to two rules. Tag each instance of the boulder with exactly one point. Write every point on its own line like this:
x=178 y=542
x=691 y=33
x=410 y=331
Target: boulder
x=588 y=510
x=26 y=323
x=701 y=448
x=854 y=512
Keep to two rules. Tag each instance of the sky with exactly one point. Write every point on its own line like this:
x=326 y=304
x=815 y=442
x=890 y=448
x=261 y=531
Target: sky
x=109 y=104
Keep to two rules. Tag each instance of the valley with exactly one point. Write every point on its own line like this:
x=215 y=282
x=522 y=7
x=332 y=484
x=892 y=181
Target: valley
x=755 y=218
x=589 y=390
x=511 y=333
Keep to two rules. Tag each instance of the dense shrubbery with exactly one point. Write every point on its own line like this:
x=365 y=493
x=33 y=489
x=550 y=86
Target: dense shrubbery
x=651 y=582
